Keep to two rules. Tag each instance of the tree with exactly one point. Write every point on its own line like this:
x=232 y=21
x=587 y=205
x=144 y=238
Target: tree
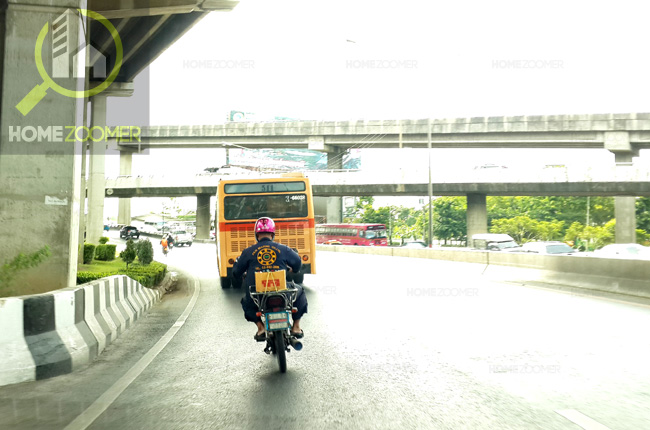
x=643 y=213
x=574 y=232
x=550 y=230
x=599 y=236
x=552 y=208
x=405 y=224
x=522 y=228
x=129 y=253
x=363 y=205
x=144 y=250
x=450 y=218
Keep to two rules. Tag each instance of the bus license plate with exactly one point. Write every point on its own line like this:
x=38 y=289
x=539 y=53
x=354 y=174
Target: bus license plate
x=277 y=321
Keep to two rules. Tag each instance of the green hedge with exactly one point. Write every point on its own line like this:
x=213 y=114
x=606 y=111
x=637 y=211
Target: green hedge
x=149 y=275
x=105 y=252
x=89 y=252
x=83 y=277
x=103 y=240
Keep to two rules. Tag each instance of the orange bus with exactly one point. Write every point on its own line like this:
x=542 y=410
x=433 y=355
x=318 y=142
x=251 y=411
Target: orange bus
x=240 y=202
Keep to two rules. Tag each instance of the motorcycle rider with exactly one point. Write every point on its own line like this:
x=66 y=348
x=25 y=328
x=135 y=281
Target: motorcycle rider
x=267 y=254
x=165 y=245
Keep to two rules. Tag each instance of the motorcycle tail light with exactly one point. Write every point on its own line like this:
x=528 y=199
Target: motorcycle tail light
x=275 y=302
x=259 y=314
x=294 y=310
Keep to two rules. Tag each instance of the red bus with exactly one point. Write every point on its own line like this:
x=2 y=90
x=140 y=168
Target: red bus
x=352 y=234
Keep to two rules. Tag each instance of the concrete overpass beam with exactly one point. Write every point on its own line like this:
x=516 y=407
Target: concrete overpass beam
x=476 y=215
x=618 y=142
x=40 y=175
x=203 y=216
x=124 y=205
x=96 y=177
x=624 y=209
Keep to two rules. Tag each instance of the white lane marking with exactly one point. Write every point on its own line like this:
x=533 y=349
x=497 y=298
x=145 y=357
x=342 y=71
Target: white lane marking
x=582 y=420
x=100 y=405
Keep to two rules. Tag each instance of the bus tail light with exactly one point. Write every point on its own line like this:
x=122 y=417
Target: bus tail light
x=305 y=257
x=231 y=261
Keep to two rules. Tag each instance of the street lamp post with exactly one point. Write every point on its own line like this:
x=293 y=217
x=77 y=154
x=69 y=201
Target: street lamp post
x=430 y=188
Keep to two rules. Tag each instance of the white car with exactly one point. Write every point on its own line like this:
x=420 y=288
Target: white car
x=181 y=237
x=624 y=250
x=548 y=248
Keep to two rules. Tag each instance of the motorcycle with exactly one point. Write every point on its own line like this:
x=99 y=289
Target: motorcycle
x=275 y=309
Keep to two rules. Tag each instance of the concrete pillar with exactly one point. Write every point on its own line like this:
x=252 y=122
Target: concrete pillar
x=124 y=205
x=334 y=204
x=203 y=216
x=96 y=177
x=39 y=175
x=624 y=209
x=476 y=215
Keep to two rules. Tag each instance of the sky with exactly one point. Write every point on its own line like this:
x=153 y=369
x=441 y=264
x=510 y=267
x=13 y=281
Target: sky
x=341 y=60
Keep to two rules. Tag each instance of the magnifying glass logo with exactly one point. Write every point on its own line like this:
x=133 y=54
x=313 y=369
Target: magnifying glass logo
x=39 y=91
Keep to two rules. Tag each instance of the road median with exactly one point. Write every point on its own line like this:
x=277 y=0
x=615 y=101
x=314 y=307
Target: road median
x=50 y=334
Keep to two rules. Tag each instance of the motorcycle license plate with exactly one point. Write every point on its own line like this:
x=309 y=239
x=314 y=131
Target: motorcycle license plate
x=277 y=321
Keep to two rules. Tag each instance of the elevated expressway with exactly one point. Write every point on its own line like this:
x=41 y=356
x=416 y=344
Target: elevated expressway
x=476 y=185
x=622 y=134
x=619 y=133
x=615 y=181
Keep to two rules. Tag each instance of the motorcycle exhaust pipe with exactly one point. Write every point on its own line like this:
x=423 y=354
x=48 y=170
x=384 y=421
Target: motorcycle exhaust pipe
x=297 y=345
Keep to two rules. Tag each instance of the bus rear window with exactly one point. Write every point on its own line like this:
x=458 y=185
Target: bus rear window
x=264 y=187
x=270 y=205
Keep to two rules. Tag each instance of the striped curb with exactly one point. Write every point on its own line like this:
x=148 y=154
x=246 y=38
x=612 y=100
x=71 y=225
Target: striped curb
x=55 y=333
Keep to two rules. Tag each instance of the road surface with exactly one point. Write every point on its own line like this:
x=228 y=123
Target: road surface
x=390 y=343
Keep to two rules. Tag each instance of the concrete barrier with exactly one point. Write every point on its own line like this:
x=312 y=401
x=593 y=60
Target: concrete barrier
x=54 y=333
x=619 y=276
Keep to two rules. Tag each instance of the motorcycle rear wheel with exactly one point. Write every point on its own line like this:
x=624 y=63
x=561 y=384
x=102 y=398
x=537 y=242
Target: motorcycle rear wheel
x=280 y=351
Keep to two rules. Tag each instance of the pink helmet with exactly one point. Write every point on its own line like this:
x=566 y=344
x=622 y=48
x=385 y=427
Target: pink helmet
x=264 y=225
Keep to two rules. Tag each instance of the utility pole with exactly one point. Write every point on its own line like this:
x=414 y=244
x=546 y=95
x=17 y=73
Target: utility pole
x=430 y=185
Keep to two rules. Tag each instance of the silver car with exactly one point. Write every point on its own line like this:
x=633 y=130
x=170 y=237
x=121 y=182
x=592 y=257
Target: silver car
x=548 y=248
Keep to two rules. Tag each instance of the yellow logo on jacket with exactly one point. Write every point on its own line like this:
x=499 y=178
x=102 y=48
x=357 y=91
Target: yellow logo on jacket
x=266 y=256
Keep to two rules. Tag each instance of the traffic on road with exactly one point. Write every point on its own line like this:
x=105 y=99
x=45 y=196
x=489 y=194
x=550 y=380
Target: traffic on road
x=389 y=342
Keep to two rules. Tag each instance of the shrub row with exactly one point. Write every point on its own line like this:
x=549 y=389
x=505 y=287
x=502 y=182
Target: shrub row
x=89 y=252
x=105 y=252
x=83 y=277
x=148 y=276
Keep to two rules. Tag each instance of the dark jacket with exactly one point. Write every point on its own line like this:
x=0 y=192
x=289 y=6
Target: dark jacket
x=265 y=255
